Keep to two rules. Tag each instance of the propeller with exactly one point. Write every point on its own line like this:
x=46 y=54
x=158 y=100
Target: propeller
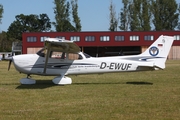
x=10 y=61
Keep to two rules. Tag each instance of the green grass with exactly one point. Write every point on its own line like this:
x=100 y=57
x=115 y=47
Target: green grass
x=126 y=96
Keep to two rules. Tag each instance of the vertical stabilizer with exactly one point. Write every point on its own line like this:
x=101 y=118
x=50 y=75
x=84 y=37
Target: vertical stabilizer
x=159 y=51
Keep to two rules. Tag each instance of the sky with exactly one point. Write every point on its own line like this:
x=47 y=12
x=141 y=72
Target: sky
x=94 y=14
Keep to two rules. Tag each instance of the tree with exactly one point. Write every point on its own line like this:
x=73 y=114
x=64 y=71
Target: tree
x=178 y=27
x=1 y=12
x=165 y=16
x=140 y=15
x=125 y=15
x=62 y=14
x=113 y=19
x=136 y=15
x=5 y=44
x=146 y=16
x=28 y=23
x=76 y=18
x=45 y=24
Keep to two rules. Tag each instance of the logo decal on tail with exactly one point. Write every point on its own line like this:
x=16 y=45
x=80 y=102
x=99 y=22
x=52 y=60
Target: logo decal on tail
x=153 y=51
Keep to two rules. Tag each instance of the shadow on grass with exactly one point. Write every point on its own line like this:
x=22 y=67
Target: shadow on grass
x=43 y=84
x=40 y=84
x=108 y=83
x=139 y=83
x=97 y=83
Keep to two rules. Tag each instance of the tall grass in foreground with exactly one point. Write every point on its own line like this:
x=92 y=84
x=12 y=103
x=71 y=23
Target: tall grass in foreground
x=136 y=95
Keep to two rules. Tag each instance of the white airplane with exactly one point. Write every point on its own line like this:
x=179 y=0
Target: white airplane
x=63 y=57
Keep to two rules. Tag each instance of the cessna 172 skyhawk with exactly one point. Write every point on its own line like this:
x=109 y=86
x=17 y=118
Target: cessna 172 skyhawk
x=63 y=57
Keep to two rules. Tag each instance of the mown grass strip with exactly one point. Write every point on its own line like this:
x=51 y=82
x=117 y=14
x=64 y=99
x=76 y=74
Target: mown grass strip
x=135 y=95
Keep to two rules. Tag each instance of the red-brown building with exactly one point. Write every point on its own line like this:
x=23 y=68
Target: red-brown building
x=104 y=43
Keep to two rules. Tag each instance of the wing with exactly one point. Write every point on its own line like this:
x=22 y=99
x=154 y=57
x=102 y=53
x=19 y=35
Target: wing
x=61 y=45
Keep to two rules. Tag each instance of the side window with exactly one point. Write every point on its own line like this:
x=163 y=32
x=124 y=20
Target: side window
x=134 y=38
x=75 y=38
x=63 y=55
x=74 y=56
x=104 y=38
x=57 y=55
x=43 y=38
x=90 y=38
x=31 y=39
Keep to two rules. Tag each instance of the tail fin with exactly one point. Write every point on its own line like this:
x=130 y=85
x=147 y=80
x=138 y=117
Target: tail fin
x=159 y=51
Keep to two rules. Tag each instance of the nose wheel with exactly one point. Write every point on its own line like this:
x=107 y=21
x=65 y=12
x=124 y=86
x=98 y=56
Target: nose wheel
x=27 y=80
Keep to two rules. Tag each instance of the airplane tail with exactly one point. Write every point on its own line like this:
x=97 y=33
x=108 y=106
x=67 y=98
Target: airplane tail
x=158 y=51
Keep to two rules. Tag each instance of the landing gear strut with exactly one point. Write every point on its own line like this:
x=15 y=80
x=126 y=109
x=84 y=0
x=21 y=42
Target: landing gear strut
x=28 y=76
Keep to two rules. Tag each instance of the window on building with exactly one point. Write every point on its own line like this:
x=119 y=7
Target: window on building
x=176 y=37
x=60 y=37
x=134 y=38
x=43 y=38
x=148 y=37
x=31 y=39
x=75 y=38
x=119 y=38
x=89 y=38
x=104 y=38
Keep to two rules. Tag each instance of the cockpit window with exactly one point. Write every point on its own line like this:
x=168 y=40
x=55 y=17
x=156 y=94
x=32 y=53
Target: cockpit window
x=57 y=55
x=62 y=55
x=86 y=55
x=42 y=52
x=75 y=56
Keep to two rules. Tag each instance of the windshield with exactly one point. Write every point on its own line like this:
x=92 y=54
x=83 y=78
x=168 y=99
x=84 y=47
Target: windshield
x=86 y=55
x=42 y=52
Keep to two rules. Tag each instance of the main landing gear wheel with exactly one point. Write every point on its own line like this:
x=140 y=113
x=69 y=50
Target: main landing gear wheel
x=62 y=80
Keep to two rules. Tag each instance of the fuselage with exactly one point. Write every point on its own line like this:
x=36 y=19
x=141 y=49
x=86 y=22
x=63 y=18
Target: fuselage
x=35 y=64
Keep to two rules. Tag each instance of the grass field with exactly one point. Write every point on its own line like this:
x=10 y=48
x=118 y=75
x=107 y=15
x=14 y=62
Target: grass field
x=152 y=95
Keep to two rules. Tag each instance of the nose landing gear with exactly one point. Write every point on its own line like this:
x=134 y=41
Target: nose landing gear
x=27 y=80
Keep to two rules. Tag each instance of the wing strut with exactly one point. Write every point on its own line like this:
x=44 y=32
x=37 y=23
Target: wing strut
x=46 y=60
